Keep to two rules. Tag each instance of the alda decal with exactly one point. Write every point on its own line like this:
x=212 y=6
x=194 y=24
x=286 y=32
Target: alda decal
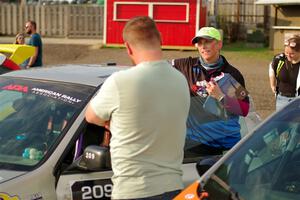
x=5 y=196
x=93 y=189
x=15 y=87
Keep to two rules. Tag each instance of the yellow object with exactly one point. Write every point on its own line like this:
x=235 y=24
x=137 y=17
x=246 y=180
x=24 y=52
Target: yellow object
x=6 y=111
x=5 y=196
x=19 y=53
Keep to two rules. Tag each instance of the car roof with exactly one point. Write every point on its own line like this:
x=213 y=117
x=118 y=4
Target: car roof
x=86 y=74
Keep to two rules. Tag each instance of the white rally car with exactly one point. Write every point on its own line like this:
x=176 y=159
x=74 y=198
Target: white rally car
x=47 y=149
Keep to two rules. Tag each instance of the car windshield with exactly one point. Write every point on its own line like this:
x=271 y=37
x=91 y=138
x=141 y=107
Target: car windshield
x=34 y=115
x=266 y=165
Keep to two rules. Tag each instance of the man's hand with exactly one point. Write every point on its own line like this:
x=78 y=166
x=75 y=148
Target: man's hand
x=214 y=90
x=273 y=88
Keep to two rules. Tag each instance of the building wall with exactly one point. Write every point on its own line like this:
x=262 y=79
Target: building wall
x=286 y=24
x=237 y=18
x=175 y=19
x=289 y=16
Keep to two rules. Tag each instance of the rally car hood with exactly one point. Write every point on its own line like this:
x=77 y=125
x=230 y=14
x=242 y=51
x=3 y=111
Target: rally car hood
x=9 y=174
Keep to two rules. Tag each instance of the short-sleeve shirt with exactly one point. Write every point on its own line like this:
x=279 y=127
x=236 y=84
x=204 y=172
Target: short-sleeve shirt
x=286 y=74
x=36 y=41
x=147 y=106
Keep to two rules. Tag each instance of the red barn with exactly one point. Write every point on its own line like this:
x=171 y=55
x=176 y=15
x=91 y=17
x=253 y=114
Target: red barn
x=177 y=20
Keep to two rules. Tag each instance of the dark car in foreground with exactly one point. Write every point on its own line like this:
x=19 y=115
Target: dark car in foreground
x=264 y=165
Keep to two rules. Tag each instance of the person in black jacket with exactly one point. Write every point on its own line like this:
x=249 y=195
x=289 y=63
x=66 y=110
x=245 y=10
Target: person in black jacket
x=212 y=79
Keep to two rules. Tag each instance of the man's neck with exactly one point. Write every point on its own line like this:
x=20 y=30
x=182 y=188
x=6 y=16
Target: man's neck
x=148 y=56
x=295 y=61
x=212 y=60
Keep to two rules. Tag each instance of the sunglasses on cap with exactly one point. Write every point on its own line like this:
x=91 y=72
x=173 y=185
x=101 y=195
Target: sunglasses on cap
x=290 y=44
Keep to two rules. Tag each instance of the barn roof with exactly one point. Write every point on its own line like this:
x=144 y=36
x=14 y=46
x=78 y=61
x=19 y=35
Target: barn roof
x=278 y=2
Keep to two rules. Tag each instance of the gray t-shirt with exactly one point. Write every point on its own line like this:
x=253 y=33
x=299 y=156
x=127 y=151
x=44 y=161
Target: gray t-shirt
x=147 y=106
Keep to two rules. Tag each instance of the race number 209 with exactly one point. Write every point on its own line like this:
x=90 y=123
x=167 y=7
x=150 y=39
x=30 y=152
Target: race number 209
x=96 y=191
x=92 y=189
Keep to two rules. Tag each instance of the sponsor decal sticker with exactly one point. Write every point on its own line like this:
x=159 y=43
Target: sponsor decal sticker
x=92 y=189
x=15 y=87
x=189 y=196
x=36 y=196
x=55 y=95
x=5 y=196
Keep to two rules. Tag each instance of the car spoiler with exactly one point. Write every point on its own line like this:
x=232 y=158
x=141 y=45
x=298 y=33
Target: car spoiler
x=19 y=53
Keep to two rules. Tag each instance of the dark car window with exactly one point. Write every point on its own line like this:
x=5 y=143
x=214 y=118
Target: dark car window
x=34 y=115
x=267 y=165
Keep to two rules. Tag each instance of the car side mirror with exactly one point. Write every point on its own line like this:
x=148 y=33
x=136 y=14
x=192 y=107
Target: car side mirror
x=204 y=164
x=94 y=158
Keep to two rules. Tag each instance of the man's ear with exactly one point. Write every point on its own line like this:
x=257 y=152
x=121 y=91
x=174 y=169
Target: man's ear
x=220 y=44
x=128 y=47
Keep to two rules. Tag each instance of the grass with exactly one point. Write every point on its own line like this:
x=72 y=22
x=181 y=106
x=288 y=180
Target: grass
x=247 y=50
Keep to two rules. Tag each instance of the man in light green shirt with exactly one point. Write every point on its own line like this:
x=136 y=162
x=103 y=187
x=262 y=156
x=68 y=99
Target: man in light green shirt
x=147 y=106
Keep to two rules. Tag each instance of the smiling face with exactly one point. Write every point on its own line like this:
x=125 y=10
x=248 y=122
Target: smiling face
x=292 y=55
x=29 y=28
x=20 y=39
x=209 y=49
x=292 y=49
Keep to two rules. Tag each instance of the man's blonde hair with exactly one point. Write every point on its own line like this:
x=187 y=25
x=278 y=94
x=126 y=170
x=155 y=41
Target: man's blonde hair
x=142 y=32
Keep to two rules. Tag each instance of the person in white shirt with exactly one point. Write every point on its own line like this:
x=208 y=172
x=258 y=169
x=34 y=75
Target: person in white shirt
x=147 y=108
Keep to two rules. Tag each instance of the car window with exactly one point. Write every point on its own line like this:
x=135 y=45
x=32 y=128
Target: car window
x=266 y=166
x=34 y=115
x=88 y=134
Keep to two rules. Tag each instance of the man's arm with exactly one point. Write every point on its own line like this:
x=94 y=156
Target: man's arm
x=33 y=58
x=272 y=78
x=92 y=118
x=100 y=109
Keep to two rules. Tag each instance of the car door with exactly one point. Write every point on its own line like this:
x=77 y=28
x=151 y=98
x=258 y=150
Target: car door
x=85 y=185
x=75 y=183
x=97 y=185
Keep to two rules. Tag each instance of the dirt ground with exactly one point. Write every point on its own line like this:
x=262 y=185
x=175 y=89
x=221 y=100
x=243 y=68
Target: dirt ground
x=255 y=70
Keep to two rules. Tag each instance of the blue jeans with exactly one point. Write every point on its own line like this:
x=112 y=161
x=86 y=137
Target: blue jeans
x=164 y=196
x=282 y=101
